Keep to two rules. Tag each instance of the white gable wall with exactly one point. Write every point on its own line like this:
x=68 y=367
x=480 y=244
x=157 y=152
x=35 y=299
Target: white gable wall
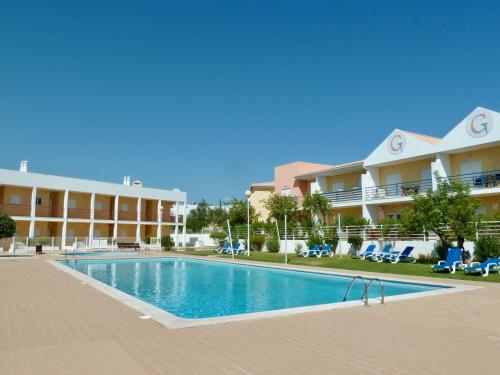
x=481 y=128
x=398 y=147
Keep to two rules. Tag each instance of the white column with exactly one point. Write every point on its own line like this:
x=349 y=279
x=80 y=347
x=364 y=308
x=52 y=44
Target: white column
x=159 y=220
x=117 y=206
x=92 y=216
x=138 y=229
x=65 y=219
x=369 y=180
x=32 y=213
x=184 y=226
x=442 y=166
x=176 y=232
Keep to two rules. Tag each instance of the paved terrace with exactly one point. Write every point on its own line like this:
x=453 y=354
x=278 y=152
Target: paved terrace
x=51 y=323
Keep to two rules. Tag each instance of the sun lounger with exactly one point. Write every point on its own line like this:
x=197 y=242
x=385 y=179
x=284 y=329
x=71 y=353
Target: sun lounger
x=326 y=250
x=452 y=263
x=401 y=256
x=484 y=268
x=369 y=252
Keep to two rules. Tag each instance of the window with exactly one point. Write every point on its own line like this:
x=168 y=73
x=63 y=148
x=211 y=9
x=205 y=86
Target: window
x=98 y=205
x=71 y=203
x=338 y=186
x=38 y=201
x=124 y=207
x=15 y=199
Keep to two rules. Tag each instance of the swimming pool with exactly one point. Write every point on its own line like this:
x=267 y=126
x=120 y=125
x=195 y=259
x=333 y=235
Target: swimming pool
x=197 y=289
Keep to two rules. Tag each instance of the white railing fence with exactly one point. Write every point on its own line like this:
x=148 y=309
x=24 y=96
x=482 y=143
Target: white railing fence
x=367 y=232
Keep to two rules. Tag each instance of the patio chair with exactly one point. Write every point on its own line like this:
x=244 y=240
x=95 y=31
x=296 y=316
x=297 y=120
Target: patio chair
x=484 y=268
x=326 y=250
x=222 y=249
x=401 y=256
x=369 y=252
x=235 y=249
x=452 y=262
x=313 y=251
x=385 y=253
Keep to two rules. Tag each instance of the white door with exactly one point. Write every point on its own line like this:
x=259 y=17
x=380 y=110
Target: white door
x=425 y=174
x=471 y=172
x=338 y=186
x=471 y=167
x=392 y=180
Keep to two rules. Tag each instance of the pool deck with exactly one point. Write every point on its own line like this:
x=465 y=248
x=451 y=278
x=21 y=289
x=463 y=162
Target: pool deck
x=51 y=323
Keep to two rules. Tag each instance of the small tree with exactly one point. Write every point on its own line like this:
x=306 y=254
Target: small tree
x=238 y=212
x=281 y=205
x=450 y=212
x=318 y=205
x=219 y=237
x=167 y=243
x=7 y=227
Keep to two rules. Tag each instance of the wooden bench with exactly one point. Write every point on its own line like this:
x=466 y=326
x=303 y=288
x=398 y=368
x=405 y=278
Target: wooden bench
x=128 y=245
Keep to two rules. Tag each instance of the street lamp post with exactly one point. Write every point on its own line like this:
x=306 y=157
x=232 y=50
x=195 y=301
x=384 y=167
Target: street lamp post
x=248 y=193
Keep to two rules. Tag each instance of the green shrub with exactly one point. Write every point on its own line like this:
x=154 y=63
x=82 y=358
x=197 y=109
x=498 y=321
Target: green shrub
x=298 y=248
x=257 y=242
x=355 y=241
x=167 y=243
x=219 y=237
x=486 y=247
x=441 y=249
x=315 y=239
x=426 y=259
x=7 y=227
x=147 y=240
x=273 y=244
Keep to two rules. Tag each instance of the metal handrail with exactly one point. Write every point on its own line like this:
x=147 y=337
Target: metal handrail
x=352 y=284
x=367 y=289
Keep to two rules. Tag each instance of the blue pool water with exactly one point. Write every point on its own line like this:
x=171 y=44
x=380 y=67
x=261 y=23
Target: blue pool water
x=99 y=253
x=190 y=288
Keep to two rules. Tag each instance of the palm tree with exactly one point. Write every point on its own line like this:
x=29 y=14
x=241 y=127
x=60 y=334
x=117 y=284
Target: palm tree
x=318 y=205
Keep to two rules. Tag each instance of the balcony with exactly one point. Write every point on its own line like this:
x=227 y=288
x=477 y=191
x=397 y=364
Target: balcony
x=479 y=180
x=400 y=190
x=340 y=197
x=78 y=213
x=127 y=215
x=15 y=209
x=169 y=218
x=149 y=216
x=103 y=215
x=46 y=211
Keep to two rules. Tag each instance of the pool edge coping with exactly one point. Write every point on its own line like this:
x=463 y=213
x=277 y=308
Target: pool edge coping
x=172 y=321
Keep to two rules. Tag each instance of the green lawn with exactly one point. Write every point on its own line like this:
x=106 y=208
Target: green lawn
x=347 y=263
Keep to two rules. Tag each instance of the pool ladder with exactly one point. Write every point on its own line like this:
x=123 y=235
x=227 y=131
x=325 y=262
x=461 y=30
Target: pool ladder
x=366 y=286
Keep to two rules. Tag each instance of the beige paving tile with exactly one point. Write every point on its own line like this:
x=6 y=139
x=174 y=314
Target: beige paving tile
x=50 y=323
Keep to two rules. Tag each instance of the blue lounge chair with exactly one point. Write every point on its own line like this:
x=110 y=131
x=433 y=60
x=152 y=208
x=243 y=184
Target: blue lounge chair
x=452 y=262
x=223 y=249
x=484 y=268
x=235 y=249
x=326 y=250
x=385 y=253
x=369 y=252
x=401 y=256
x=313 y=251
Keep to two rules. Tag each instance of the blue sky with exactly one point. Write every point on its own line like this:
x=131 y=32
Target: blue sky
x=209 y=96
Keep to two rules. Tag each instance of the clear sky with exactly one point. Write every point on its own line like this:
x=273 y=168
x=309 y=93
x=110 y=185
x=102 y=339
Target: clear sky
x=208 y=96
